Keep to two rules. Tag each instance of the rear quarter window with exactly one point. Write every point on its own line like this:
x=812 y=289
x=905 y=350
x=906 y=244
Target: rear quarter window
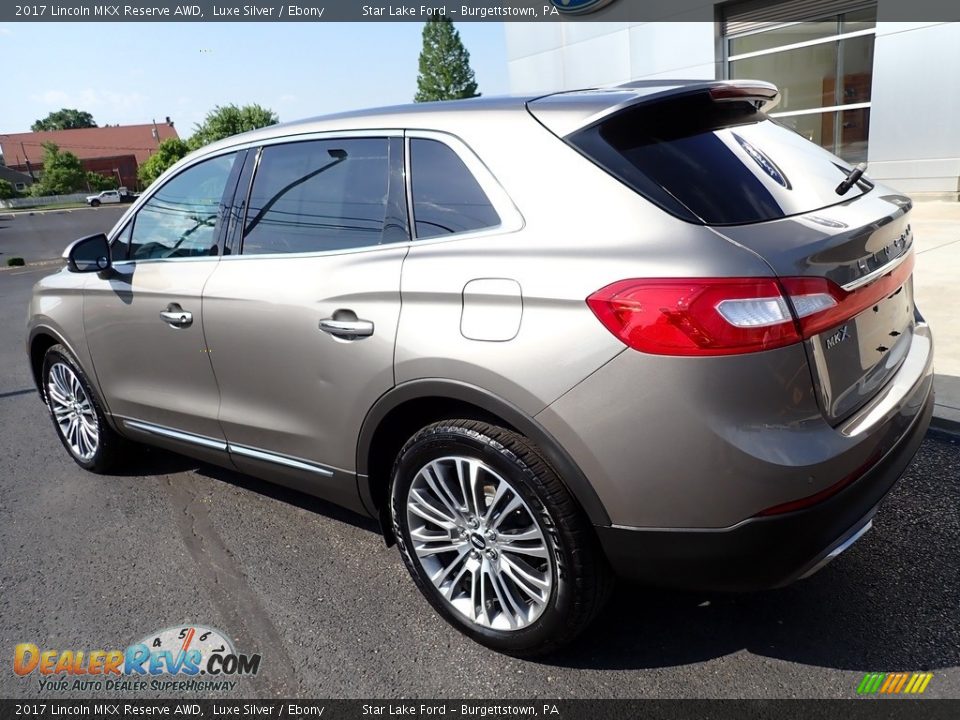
x=447 y=198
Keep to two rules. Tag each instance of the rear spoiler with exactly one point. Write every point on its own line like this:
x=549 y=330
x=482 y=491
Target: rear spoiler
x=764 y=95
x=564 y=113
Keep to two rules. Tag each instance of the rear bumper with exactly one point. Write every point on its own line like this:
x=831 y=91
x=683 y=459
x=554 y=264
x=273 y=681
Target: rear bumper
x=763 y=552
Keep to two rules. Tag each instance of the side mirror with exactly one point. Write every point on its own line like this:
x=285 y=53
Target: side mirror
x=89 y=254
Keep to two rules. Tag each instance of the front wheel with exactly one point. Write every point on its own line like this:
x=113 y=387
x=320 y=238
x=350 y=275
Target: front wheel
x=494 y=540
x=94 y=203
x=77 y=417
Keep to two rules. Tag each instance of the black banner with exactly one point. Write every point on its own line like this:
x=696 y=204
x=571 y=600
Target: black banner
x=863 y=709
x=419 y=11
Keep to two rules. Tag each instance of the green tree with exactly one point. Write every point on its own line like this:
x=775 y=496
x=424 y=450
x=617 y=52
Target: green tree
x=7 y=190
x=97 y=182
x=62 y=173
x=65 y=119
x=445 y=72
x=229 y=120
x=170 y=150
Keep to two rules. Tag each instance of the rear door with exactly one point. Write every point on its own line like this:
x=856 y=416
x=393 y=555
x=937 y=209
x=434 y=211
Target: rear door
x=301 y=317
x=844 y=258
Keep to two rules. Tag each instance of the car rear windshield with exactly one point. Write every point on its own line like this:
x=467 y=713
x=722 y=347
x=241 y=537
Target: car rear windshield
x=717 y=163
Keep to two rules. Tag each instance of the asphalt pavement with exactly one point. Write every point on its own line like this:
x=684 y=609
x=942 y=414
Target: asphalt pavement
x=97 y=562
x=44 y=234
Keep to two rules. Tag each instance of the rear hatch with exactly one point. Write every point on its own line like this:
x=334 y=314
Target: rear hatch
x=708 y=154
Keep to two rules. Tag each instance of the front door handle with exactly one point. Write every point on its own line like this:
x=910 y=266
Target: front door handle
x=176 y=316
x=347 y=329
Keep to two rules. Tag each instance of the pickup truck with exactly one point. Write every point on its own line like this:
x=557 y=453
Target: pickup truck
x=120 y=195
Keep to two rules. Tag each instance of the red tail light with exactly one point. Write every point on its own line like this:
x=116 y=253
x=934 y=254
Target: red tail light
x=729 y=316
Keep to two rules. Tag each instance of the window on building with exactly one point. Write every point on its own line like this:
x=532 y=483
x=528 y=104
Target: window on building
x=20 y=186
x=823 y=67
x=446 y=197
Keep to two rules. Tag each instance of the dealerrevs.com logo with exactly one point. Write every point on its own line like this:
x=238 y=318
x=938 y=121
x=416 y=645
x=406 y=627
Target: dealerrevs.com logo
x=178 y=659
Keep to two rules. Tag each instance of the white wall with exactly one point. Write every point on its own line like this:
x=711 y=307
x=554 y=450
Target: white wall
x=563 y=56
x=915 y=118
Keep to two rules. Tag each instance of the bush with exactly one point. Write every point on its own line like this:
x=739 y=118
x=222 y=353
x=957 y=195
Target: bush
x=7 y=190
x=98 y=182
x=15 y=262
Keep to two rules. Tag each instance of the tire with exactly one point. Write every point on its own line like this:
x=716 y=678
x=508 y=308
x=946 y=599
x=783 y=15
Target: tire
x=94 y=203
x=517 y=568
x=93 y=444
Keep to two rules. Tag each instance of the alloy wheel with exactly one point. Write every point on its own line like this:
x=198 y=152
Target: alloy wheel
x=479 y=542
x=73 y=411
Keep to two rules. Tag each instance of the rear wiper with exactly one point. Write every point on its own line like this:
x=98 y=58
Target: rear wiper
x=851 y=179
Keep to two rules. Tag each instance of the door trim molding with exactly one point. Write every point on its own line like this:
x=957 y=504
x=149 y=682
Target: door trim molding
x=245 y=451
x=175 y=434
x=279 y=459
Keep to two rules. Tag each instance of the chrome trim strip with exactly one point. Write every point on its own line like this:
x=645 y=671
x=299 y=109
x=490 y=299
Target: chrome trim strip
x=845 y=545
x=176 y=434
x=879 y=272
x=279 y=459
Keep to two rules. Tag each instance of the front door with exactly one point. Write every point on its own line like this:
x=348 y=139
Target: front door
x=144 y=322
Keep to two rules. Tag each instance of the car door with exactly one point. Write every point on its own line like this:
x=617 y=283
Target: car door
x=301 y=317
x=143 y=321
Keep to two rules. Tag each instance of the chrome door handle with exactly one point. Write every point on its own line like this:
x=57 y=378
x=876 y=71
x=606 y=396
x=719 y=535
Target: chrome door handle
x=347 y=329
x=176 y=317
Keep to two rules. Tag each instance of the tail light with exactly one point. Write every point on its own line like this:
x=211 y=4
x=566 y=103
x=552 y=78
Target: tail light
x=731 y=316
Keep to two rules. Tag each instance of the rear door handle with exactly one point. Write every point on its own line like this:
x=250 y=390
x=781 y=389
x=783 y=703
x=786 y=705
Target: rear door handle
x=176 y=316
x=347 y=329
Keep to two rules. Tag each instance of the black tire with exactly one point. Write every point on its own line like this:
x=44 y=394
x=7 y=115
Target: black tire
x=582 y=579
x=110 y=447
x=94 y=203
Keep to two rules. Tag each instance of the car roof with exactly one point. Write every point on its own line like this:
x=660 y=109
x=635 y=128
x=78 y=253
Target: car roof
x=561 y=112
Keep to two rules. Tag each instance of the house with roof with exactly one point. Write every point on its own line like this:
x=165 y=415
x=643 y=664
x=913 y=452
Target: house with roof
x=114 y=151
x=20 y=181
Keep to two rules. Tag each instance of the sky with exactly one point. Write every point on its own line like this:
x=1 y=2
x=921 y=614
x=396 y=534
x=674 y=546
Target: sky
x=131 y=73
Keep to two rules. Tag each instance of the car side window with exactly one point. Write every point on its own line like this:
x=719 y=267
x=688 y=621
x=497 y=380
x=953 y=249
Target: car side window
x=120 y=245
x=446 y=196
x=318 y=195
x=181 y=218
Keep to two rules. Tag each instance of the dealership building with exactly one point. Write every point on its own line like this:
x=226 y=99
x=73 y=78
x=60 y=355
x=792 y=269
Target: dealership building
x=867 y=89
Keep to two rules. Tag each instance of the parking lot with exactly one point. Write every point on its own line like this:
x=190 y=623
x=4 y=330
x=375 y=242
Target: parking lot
x=91 y=561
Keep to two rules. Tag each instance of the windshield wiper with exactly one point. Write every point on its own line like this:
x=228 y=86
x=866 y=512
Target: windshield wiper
x=852 y=178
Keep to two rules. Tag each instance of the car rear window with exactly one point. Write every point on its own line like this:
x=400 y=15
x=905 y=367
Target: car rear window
x=717 y=163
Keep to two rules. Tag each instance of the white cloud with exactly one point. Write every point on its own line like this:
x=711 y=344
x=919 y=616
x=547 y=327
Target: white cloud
x=4 y=30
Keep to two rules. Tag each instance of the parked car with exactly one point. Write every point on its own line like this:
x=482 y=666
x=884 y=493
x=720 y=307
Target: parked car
x=643 y=331
x=120 y=195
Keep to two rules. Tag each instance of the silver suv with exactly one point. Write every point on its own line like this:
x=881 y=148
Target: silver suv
x=643 y=331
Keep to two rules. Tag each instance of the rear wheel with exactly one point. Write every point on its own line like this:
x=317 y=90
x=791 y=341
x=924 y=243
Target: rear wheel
x=493 y=539
x=77 y=417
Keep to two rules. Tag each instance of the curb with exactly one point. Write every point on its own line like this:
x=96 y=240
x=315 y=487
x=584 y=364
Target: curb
x=11 y=213
x=33 y=263
x=944 y=428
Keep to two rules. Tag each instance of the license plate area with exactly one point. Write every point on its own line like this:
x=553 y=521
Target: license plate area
x=854 y=360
